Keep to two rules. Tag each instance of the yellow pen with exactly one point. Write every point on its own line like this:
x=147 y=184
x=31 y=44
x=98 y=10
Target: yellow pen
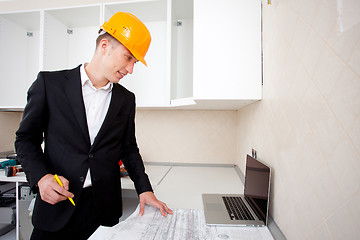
x=60 y=183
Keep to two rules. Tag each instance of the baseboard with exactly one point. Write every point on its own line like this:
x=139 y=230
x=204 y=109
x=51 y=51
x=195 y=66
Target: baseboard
x=175 y=164
x=240 y=174
x=275 y=230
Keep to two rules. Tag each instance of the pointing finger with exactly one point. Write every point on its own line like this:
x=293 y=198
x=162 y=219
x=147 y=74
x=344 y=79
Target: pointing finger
x=142 y=207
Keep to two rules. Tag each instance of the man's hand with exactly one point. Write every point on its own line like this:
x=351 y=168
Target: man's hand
x=51 y=192
x=149 y=198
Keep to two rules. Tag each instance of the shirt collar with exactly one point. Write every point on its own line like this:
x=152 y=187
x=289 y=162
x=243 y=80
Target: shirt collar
x=85 y=79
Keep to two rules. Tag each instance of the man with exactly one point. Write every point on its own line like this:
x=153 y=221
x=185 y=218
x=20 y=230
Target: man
x=87 y=123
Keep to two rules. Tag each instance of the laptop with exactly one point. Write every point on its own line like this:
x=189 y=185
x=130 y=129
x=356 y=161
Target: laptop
x=248 y=209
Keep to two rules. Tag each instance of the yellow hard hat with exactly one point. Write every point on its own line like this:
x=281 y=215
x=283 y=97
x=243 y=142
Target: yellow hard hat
x=131 y=32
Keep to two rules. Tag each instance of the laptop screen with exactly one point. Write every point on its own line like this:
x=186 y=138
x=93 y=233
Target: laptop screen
x=257 y=187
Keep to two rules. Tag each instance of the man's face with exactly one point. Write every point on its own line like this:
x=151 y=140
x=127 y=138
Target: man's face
x=117 y=62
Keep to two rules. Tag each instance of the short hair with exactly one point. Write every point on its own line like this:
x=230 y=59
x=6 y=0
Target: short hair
x=105 y=35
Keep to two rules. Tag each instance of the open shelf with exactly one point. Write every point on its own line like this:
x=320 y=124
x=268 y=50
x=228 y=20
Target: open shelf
x=19 y=58
x=69 y=36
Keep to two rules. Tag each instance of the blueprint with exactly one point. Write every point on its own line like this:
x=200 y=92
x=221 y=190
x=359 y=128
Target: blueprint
x=183 y=224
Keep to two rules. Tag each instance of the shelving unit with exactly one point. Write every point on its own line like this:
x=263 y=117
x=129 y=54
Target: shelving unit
x=16 y=181
x=69 y=36
x=19 y=60
x=226 y=56
x=203 y=54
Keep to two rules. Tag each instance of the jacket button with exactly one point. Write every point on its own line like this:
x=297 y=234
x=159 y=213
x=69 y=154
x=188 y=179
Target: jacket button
x=82 y=179
x=91 y=156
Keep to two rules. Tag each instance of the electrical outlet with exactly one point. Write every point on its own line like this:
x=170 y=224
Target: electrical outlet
x=253 y=153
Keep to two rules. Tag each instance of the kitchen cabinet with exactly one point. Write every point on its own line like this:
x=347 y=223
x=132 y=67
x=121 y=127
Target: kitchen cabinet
x=69 y=36
x=63 y=38
x=226 y=59
x=19 y=58
x=204 y=54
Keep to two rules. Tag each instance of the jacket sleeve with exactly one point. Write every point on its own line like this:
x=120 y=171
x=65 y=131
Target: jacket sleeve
x=29 y=136
x=132 y=158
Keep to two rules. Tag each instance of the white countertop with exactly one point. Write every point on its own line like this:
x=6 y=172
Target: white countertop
x=155 y=173
x=183 y=185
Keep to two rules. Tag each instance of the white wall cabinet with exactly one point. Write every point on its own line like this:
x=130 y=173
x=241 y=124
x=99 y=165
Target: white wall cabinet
x=226 y=59
x=69 y=36
x=204 y=53
x=19 y=56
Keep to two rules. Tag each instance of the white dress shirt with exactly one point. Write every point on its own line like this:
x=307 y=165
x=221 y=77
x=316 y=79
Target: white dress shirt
x=97 y=103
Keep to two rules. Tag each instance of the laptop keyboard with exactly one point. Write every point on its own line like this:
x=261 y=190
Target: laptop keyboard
x=237 y=209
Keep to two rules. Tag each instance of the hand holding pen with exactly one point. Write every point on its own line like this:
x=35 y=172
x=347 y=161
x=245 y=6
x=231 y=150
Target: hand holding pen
x=51 y=191
x=57 y=179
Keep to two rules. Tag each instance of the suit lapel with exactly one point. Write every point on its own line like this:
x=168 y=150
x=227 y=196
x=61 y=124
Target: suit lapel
x=116 y=102
x=73 y=91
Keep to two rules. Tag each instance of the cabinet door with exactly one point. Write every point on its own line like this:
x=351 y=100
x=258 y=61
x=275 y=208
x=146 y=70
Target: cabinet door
x=227 y=49
x=19 y=58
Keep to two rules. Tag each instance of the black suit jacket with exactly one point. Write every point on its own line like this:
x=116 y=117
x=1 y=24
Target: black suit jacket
x=55 y=113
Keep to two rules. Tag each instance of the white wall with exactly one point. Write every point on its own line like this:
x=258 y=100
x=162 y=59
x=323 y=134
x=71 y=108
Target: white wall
x=166 y=136
x=187 y=136
x=307 y=127
x=9 y=123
